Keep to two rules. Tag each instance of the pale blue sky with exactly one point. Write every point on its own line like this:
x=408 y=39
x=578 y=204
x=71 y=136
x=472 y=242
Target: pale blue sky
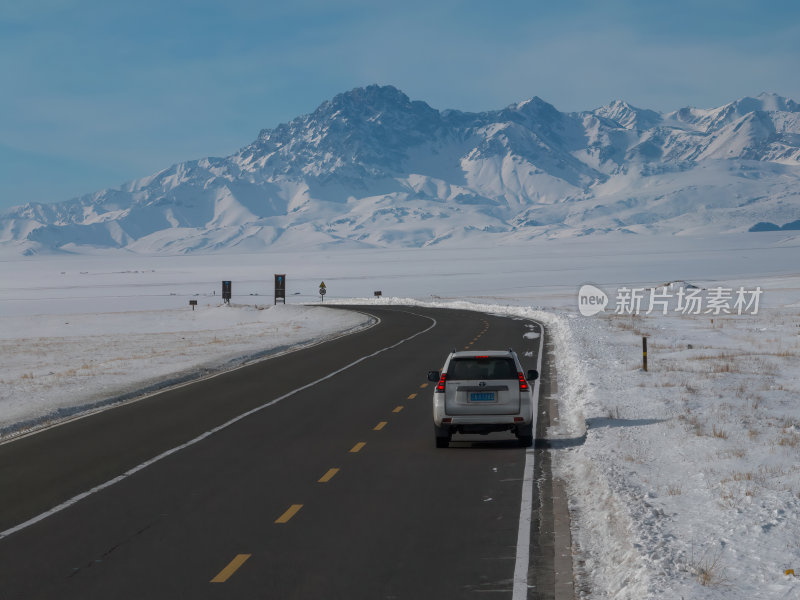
x=98 y=92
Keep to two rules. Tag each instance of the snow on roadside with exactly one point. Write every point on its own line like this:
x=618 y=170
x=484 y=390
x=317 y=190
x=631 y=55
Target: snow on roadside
x=700 y=451
x=684 y=480
x=55 y=366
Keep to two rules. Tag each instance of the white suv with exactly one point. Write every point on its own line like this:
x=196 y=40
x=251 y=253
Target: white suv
x=481 y=392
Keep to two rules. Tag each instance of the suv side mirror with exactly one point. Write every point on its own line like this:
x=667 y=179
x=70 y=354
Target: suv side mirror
x=533 y=374
x=433 y=376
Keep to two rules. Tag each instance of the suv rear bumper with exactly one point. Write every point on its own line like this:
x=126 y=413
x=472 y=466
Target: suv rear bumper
x=481 y=429
x=461 y=423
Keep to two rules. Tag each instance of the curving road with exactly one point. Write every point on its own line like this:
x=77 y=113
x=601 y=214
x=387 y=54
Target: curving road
x=309 y=475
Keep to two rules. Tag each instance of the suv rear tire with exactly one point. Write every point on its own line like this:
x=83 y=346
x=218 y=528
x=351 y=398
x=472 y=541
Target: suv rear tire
x=525 y=436
x=443 y=436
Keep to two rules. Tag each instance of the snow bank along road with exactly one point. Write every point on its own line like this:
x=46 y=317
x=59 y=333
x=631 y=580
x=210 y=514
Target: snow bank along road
x=329 y=487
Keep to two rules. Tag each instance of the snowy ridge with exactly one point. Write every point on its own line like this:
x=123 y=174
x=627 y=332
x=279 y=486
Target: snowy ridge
x=372 y=168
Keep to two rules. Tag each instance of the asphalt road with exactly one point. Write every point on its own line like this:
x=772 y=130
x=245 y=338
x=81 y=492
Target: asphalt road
x=333 y=491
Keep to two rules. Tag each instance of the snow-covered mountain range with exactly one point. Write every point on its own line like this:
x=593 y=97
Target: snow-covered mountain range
x=373 y=168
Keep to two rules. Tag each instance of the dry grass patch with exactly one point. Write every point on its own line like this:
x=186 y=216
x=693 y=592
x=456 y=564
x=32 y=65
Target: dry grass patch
x=720 y=356
x=709 y=570
x=661 y=384
x=718 y=432
x=675 y=489
x=784 y=353
x=732 y=453
x=693 y=423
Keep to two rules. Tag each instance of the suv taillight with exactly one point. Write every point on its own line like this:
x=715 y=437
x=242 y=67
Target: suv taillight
x=523 y=385
x=440 y=385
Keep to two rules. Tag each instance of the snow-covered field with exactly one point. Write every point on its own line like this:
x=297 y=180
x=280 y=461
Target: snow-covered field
x=59 y=365
x=687 y=482
x=684 y=480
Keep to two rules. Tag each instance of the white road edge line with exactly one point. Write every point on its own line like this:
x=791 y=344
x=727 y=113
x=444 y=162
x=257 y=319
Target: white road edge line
x=163 y=455
x=526 y=503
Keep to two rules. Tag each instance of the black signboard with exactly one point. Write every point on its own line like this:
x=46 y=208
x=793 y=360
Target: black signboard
x=226 y=291
x=280 y=288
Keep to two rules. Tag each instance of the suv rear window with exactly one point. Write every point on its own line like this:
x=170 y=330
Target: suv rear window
x=494 y=367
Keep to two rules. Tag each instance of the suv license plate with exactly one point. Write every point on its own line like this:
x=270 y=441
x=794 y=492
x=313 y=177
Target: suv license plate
x=481 y=397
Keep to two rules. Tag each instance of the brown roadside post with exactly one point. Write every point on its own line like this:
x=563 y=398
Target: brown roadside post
x=644 y=353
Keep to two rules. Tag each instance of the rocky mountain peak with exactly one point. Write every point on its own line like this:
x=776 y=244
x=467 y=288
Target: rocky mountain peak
x=629 y=116
x=372 y=167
